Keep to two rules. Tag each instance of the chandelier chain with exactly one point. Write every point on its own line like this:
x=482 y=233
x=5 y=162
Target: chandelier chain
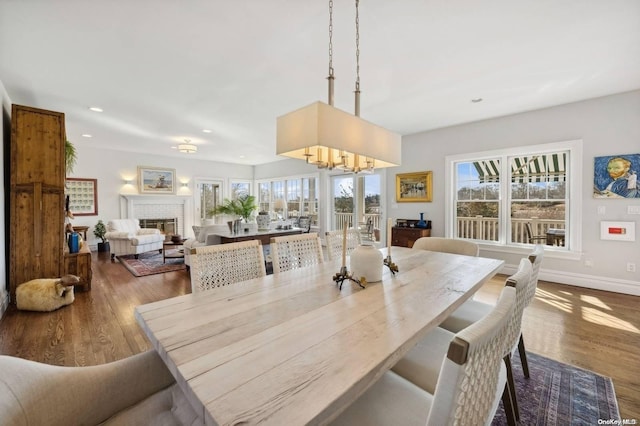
x=330 y=37
x=357 y=45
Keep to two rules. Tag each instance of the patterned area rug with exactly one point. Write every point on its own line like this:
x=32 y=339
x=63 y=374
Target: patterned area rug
x=560 y=394
x=150 y=263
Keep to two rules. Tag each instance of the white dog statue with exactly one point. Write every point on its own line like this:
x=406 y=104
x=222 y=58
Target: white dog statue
x=46 y=294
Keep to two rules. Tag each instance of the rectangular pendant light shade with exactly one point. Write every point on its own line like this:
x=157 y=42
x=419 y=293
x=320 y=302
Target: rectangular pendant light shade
x=302 y=132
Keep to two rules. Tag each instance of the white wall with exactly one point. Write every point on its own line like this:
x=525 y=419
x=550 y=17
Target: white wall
x=5 y=109
x=607 y=126
x=111 y=168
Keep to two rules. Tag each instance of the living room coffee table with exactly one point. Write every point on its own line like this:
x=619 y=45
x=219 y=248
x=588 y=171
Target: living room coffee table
x=172 y=250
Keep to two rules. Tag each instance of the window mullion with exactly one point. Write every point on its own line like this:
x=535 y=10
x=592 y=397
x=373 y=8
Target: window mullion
x=504 y=213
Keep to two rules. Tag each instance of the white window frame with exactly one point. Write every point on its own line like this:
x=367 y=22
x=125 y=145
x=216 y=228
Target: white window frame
x=574 y=218
x=241 y=181
x=285 y=180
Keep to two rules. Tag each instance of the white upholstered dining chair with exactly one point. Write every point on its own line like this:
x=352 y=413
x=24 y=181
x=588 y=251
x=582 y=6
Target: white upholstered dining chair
x=447 y=245
x=224 y=264
x=472 y=311
x=295 y=251
x=334 y=242
x=535 y=257
x=468 y=378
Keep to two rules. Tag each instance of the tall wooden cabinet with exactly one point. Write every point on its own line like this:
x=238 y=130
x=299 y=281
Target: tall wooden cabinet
x=37 y=178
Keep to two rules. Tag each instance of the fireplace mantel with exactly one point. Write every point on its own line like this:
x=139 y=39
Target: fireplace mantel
x=167 y=199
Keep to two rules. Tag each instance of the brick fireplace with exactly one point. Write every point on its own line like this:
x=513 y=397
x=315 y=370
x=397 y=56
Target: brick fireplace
x=167 y=226
x=170 y=214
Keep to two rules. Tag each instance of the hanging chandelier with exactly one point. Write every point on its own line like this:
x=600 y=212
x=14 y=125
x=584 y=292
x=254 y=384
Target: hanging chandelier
x=187 y=147
x=331 y=138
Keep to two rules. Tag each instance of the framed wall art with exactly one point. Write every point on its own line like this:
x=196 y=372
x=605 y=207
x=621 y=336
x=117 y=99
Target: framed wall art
x=83 y=196
x=414 y=187
x=616 y=176
x=156 y=180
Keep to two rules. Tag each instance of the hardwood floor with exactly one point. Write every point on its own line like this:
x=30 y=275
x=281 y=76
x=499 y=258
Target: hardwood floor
x=595 y=330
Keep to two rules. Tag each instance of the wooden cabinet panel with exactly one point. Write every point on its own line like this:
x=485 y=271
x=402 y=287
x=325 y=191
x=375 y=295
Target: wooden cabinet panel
x=405 y=237
x=37 y=175
x=37 y=146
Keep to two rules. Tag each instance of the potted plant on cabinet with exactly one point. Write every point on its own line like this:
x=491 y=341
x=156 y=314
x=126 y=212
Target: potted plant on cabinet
x=99 y=231
x=242 y=207
x=70 y=157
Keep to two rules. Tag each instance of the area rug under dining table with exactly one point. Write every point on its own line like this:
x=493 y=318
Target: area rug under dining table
x=151 y=263
x=560 y=394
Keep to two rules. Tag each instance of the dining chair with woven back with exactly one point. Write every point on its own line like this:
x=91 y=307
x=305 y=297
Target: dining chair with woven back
x=334 y=242
x=418 y=365
x=535 y=257
x=295 y=251
x=224 y=264
x=466 y=378
x=473 y=310
x=447 y=245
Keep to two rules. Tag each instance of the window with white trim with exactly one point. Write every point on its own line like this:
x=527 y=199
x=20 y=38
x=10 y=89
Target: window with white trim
x=517 y=196
x=290 y=197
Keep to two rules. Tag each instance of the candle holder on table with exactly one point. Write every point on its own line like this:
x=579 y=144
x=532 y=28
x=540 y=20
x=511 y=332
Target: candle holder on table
x=389 y=263
x=344 y=274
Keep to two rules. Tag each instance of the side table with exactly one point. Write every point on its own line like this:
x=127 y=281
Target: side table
x=172 y=250
x=79 y=264
x=81 y=230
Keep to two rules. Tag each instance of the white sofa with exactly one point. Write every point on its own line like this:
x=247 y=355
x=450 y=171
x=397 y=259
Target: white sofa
x=204 y=236
x=126 y=237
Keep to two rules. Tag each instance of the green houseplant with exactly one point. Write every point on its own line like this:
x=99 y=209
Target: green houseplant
x=99 y=231
x=70 y=157
x=243 y=206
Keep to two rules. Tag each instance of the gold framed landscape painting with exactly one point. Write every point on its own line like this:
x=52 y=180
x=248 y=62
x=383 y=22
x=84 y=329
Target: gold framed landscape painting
x=156 y=180
x=414 y=187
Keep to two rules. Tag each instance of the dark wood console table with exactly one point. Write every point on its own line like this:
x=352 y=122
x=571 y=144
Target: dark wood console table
x=263 y=236
x=406 y=236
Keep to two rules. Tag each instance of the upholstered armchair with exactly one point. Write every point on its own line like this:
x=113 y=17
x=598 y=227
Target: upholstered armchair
x=133 y=391
x=126 y=237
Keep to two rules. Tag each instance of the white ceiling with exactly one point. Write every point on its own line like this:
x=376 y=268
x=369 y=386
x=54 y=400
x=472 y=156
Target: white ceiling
x=163 y=70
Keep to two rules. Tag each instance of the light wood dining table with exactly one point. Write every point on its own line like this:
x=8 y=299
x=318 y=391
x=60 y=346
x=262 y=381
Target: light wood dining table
x=292 y=349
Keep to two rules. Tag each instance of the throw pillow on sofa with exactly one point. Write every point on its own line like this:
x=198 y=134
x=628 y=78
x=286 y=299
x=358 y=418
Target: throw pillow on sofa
x=196 y=230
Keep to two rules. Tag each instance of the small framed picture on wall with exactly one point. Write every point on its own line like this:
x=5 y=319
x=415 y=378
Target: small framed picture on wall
x=83 y=196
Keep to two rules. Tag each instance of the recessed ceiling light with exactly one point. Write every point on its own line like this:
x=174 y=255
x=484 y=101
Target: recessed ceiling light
x=242 y=156
x=174 y=147
x=87 y=135
x=206 y=131
x=96 y=109
x=476 y=100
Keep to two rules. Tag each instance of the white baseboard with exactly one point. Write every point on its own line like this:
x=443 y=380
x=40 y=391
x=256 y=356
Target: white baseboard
x=580 y=280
